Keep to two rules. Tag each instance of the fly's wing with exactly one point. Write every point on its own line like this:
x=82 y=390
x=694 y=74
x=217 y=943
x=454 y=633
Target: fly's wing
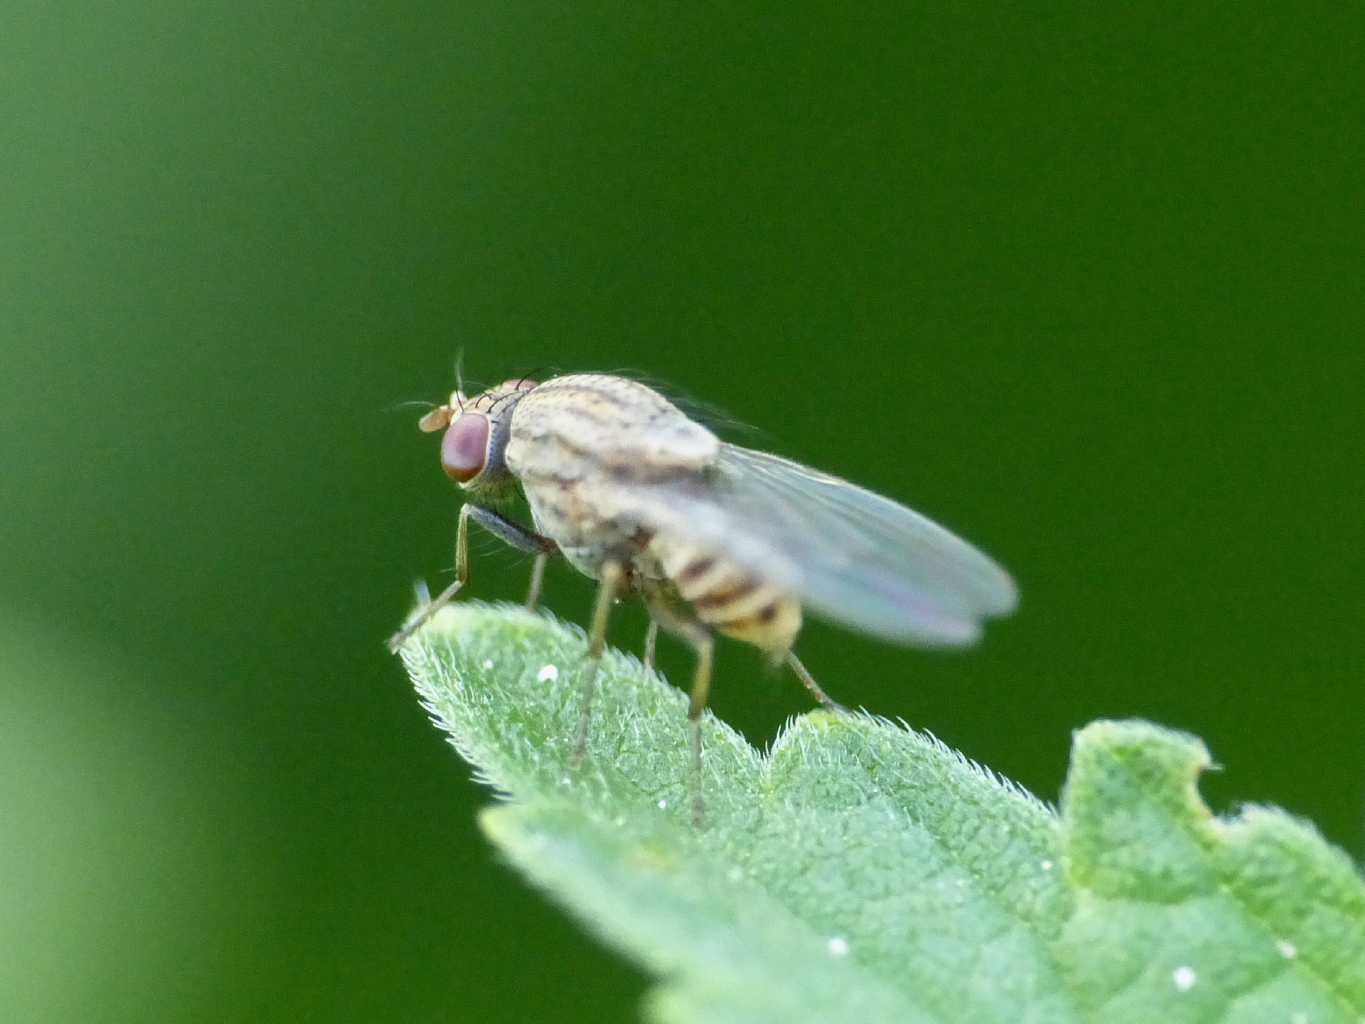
x=848 y=554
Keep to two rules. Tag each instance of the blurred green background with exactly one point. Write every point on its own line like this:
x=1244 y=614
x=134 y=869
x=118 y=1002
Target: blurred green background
x=1085 y=285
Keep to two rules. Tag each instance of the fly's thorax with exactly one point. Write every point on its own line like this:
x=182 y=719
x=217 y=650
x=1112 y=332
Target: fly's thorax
x=564 y=510
x=586 y=424
x=586 y=448
x=587 y=524
x=736 y=603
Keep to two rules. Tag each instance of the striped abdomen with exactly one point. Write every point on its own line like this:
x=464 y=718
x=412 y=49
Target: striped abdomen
x=728 y=599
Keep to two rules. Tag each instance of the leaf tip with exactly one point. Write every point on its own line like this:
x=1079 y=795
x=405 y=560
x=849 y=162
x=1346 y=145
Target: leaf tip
x=502 y=825
x=1159 y=760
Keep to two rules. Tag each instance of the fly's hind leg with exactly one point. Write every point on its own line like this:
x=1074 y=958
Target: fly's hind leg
x=701 y=641
x=609 y=582
x=808 y=681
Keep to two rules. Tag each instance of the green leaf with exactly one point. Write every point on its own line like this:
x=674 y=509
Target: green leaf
x=860 y=871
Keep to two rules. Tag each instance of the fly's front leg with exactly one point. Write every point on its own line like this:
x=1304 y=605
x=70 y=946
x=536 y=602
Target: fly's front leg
x=517 y=536
x=609 y=582
x=701 y=641
x=425 y=613
x=505 y=530
x=511 y=533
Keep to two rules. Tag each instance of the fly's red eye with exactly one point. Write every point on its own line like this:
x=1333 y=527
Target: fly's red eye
x=464 y=447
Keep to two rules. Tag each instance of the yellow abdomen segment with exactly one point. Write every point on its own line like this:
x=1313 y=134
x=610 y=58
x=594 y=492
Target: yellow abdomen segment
x=730 y=600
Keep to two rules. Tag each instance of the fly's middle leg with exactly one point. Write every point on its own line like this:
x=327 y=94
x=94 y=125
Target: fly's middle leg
x=609 y=582
x=701 y=691
x=701 y=641
x=537 y=578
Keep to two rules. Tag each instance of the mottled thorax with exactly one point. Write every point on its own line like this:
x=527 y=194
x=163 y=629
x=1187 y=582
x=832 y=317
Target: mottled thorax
x=579 y=443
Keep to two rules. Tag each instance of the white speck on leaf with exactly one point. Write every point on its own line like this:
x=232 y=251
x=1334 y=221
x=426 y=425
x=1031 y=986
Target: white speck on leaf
x=1184 y=978
x=838 y=946
x=1287 y=949
x=1298 y=1018
x=734 y=874
x=487 y=663
x=547 y=674
x=1046 y=865
x=663 y=805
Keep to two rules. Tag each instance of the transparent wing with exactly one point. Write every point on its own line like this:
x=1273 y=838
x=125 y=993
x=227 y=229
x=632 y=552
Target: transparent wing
x=848 y=554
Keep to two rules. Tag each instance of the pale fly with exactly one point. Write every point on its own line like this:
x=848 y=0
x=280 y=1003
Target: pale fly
x=714 y=538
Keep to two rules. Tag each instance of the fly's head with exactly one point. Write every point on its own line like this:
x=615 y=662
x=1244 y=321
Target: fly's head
x=476 y=431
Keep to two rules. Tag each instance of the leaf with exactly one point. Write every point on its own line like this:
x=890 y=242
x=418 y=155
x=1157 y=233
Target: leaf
x=861 y=871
